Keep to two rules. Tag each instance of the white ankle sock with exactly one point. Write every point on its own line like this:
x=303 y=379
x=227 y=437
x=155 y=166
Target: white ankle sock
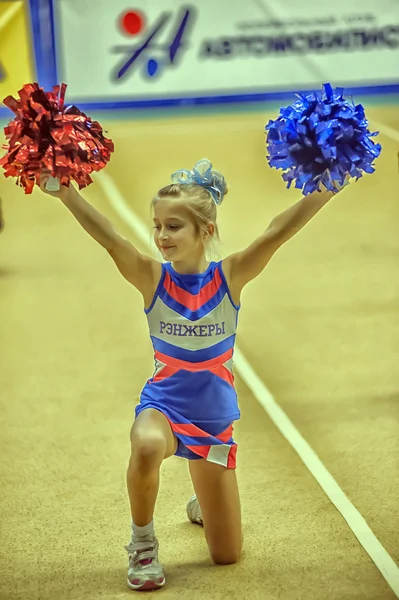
x=143 y=532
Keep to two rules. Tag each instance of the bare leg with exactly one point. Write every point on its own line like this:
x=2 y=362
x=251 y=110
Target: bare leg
x=152 y=440
x=217 y=492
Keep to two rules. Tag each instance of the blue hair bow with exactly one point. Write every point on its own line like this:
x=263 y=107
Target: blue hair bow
x=203 y=175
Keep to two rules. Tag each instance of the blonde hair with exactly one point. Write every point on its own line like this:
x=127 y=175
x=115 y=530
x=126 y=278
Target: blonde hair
x=201 y=204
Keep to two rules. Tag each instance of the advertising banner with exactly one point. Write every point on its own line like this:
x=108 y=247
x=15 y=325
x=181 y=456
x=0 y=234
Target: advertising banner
x=153 y=49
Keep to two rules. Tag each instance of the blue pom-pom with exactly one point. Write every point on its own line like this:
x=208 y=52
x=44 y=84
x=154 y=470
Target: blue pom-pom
x=320 y=140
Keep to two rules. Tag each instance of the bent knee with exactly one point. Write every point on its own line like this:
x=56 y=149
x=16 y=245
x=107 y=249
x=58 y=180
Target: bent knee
x=147 y=449
x=226 y=553
x=226 y=558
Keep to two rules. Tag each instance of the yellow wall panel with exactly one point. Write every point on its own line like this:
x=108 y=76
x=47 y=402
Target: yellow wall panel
x=16 y=48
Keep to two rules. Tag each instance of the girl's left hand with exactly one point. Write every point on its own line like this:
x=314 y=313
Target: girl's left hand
x=341 y=187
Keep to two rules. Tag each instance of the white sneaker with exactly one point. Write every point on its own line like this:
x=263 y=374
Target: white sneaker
x=145 y=571
x=193 y=510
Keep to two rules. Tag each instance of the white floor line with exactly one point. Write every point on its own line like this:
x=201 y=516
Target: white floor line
x=354 y=519
x=389 y=132
x=9 y=14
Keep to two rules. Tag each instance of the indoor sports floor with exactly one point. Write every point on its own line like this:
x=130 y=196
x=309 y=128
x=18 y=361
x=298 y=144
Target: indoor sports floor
x=320 y=328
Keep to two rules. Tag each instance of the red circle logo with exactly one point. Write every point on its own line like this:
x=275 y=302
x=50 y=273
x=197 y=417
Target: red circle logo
x=132 y=22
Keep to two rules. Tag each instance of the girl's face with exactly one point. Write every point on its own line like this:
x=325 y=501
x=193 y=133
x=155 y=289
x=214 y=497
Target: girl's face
x=175 y=234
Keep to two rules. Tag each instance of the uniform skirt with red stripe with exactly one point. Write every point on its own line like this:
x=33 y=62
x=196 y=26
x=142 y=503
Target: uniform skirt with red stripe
x=212 y=441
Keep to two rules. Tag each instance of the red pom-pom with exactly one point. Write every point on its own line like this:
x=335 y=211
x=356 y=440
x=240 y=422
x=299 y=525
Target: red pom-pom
x=48 y=135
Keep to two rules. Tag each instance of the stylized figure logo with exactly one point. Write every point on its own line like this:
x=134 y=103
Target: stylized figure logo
x=133 y=23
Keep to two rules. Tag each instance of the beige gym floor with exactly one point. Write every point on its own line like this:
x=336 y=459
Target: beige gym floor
x=320 y=327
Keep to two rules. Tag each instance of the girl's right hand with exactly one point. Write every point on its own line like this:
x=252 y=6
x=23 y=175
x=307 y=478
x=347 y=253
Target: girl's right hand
x=61 y=193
